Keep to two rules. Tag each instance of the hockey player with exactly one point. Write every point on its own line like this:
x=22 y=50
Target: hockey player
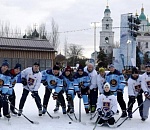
x=135 y=92
x=4 y=89
x=31 y=79
x=14 y=78
x=68 y=85
x=146 y=88
x=117 y=84
x=83 y=82
x=70 y=88
x=53 y=79
x=101 y=79
x=106 y=106
x=93 y=94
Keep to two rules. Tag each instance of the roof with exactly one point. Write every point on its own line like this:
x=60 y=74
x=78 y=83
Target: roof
x=25 y=44
x=107 y=10
x=142 y=15
x=60 y=57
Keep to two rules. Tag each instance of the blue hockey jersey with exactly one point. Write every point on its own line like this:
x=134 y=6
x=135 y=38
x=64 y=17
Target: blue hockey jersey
x=82 y=79
x=5 y=82
x=54 y=82
x=116 y=81
x=69 y=84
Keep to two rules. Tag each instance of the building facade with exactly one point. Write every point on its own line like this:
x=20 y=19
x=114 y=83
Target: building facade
x=143 y=39
x=107 y=35
x=125 y=56
x=27 y=51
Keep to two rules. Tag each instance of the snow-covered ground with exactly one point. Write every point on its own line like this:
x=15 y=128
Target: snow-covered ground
x=46 y=123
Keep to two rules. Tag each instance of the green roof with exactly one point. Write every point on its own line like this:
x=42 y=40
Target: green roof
x=142 y=16
x=107 y=10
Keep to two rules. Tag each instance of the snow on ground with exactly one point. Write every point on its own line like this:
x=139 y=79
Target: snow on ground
x=46 y=123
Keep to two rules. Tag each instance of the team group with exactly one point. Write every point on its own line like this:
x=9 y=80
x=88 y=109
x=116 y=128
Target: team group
x=86 y=83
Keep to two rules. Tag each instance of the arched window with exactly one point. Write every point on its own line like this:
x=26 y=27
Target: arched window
x=107 y=40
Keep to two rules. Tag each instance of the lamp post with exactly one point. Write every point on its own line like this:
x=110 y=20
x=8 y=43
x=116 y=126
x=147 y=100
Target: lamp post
x=128 y=42
x=94 y=24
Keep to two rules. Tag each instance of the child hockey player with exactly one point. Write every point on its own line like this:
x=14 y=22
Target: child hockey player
x=106 y=107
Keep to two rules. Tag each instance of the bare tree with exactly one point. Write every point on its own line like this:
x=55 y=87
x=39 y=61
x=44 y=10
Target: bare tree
x=4 y=29
x=7 y=29
x=74 y=52
x=65 y=47
x=29 y=31
x=17 y=32
x=54 y=37
x=1 y=28
x=42 y=31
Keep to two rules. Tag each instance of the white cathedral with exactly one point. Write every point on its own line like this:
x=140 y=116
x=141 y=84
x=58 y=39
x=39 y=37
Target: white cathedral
x=107 y=35
x=143 y=39
x=125 y=55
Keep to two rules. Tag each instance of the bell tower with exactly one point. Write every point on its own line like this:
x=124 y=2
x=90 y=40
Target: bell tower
x=107 y=35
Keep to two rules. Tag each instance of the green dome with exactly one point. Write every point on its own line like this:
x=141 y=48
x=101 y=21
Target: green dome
x=142 y=16
x=107 y=10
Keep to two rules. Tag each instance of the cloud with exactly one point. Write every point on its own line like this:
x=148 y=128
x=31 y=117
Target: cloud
x=69 y=15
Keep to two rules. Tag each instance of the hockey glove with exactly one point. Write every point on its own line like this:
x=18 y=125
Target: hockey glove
x=109 y=114
x=69 y=97
x=132 y=99
x=34 y=94
x=81 y=85
x=79 y=95
x=44 y=82
x=147 y=95
x=55 y=96
x=24 y=81
x=100 y=112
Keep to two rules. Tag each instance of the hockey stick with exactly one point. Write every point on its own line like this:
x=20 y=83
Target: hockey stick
x=96 y=123
x=126 y=110
x=70 y=117
x=33 y=122
x=93 y=116
x=79 y=109
x=75 y=116
x=128 y=116
x=53 y=117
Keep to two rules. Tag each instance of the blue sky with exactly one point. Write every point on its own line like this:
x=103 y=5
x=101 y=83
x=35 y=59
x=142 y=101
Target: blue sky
x=69 y=15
